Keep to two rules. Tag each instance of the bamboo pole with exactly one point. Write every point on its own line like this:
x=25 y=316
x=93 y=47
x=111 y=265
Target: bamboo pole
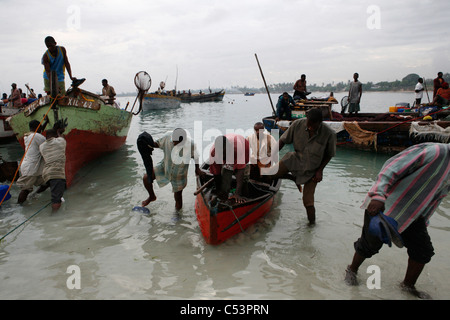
x=267 y=89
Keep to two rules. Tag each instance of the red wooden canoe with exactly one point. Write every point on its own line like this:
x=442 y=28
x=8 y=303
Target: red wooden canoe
x=223 y=220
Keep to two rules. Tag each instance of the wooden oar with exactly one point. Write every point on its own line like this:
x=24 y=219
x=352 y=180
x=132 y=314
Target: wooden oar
x=203 y=186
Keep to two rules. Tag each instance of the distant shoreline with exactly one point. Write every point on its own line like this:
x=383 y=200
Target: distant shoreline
x=280 y=92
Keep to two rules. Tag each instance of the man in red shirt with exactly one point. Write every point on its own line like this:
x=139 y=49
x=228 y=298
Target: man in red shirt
x=442 y=97
x=230 y=154
x=438 y=83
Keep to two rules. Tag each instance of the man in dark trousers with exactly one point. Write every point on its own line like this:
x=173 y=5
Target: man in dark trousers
x=408 y=189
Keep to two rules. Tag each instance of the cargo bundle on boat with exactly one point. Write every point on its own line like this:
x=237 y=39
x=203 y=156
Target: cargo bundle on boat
x=221 y=220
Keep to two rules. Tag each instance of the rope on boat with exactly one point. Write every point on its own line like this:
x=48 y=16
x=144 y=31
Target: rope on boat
x=235 y=216
x=398 y=124
x=26 y=150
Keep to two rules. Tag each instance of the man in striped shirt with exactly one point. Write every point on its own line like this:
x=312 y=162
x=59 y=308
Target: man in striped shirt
x=409 y=188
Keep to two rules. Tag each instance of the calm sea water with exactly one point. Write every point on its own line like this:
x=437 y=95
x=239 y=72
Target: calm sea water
x=123 y=254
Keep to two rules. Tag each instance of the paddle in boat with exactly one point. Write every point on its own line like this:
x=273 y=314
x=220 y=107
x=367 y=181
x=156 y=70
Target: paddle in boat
x=221 y=220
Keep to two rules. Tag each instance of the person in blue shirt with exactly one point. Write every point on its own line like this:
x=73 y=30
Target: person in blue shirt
x=55 y=59
x=284 y=103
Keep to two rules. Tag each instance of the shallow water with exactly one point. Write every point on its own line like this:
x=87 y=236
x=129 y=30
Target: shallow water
x=124 y=254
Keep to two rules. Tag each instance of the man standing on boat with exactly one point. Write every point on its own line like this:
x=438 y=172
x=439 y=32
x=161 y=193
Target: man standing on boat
x=419 y=91
x=230 y=155
x=55 y=59
x=15 y=98
x=314 y=145
x=407 y=191
x=354 y=95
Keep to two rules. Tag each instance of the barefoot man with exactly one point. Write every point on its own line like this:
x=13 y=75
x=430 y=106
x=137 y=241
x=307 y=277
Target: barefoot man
x=408 y=189
x=173 y=168
x=145 y=145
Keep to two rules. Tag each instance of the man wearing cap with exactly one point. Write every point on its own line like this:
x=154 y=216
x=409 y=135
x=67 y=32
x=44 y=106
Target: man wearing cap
x=408 y=189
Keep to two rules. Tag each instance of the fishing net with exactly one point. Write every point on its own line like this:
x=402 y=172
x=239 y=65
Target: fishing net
x=344 y=104
x=143 y=82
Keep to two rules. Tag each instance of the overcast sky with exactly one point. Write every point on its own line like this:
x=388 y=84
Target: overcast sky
x=213 y=43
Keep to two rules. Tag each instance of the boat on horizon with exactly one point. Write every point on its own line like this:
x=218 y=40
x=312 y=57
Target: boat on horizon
x=94 y=127
x=221 y=220
x=202 y=97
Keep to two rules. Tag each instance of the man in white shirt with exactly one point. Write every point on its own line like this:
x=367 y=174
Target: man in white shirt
x=53 y=152
x=108 y=92
x=261 y=146
x=32 y=164
x=419 y=91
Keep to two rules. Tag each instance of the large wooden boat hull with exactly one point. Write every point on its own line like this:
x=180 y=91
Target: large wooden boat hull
x=207 y=97
x=153 y=101
x=389 y=136
x=222 y=221
x=93 y=129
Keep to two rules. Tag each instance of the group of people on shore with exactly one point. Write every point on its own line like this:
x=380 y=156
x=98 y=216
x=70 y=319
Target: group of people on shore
x=406 y=192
